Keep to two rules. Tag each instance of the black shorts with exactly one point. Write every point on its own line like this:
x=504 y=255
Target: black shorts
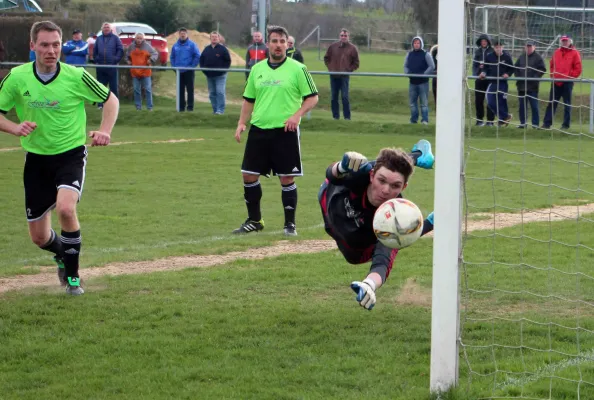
x=272 y=150
x=44 y=175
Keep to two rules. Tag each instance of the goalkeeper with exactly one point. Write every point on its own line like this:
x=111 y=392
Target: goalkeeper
x=354 y=188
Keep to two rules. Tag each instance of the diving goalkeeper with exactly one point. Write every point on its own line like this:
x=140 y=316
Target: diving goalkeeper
x=353 y=190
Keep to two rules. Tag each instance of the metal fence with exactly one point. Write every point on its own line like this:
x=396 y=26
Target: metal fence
x=355 y=74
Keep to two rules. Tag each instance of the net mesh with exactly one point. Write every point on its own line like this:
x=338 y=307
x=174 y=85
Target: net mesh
x=527 y=269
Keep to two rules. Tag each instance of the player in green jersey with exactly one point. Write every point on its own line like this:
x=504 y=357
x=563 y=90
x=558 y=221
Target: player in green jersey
x=277 y=94
x=49 y=97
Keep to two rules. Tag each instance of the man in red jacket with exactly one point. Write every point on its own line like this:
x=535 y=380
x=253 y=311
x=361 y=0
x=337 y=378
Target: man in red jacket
x=565 y=64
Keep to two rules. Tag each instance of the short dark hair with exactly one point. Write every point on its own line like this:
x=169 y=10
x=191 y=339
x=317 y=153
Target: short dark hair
x=47 y=26
x=276 y=29
x=182 y=30
x=396 y=160
x=344 y=30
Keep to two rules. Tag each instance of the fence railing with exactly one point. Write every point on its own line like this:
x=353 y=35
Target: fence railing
x=330 y=73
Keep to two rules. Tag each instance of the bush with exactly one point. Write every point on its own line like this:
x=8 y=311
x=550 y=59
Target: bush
x=359 y=39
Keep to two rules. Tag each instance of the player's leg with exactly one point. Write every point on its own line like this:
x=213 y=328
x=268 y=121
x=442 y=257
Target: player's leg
x=40 y=199
x=255 y=163
x=286 y=163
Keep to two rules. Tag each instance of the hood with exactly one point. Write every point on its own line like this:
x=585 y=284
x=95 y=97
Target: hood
x=485 y=37
x=413 y=40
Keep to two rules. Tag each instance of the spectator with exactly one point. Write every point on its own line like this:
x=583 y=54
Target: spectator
x=108 y=50
x=433 y=53
x=529 y=65
x=419 y=62
x=292 y=51
x=256 y=52
x=185 y=53
x=498 y=67
x=76 y=50
x=91 y=41
x=216 y=55
x=341 y=56
x=140 y=52
x=565 y=64
x=480 y=85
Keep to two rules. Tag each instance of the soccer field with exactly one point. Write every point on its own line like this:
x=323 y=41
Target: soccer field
x=276 y=318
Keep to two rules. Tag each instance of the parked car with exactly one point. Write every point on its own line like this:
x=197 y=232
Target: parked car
x=126 y=32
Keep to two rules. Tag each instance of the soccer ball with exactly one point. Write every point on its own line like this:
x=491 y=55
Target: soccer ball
x=398 y=223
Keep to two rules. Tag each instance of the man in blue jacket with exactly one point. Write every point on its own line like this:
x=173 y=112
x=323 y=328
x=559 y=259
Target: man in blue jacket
x=498 y=67
x=76 y=50
x=108 y=50
x=419 y=62
x=185 y=53
x=215 y=55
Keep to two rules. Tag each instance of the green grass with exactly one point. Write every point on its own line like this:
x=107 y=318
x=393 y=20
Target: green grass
x=288 y=327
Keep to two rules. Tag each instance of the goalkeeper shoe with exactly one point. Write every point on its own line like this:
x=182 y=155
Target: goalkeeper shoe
x=290 y=229
x=249 y=226
x=73 y=287
x=426 y=160
x=61 y=270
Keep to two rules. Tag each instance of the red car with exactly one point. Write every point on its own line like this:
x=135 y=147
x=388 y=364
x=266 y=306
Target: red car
x=126 y=32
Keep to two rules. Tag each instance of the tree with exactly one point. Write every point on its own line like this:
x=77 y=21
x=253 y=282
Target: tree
x=162 y=15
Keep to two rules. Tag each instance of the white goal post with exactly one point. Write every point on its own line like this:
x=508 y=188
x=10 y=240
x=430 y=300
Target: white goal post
x=448 y=204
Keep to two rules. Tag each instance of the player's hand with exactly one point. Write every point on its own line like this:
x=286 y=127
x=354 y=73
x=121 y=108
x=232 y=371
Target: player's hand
x=430 y=218
x=100 y=138
x=240 y=128
x=353 y=162
x=365 y=293
x=25 y=128
x=291 y=124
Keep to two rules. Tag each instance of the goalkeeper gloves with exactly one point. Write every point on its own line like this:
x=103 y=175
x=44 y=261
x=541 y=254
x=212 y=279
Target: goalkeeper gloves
x=430 y=218
x=353 y=162
x=365 y=293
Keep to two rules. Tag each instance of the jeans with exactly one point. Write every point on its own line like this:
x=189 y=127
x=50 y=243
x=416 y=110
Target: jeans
x=418 y=92
x=108 y=77
x=480 y=91
x=497 y=99
x=340 y=84
x=531 y=98
x=216 y=92
x=186 y=84
x=557 y=92
x=139 y=84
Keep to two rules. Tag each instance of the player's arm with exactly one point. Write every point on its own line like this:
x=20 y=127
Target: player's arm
x=352 y=165
x=308 y=90
x=381 y=265
x=246 y=111
x=7 y=101
x=111 y=108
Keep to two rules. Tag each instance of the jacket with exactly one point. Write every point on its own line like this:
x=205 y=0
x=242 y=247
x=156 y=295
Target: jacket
x=480 y=54
x=342 y=57
x=497 y=66
x=215 y=57
x=529 y=66
x=295 y=54
x=108 y=50
x=433 y=53
x=144 y=54
x=566 y=63
x=256 y=52
x=76 y=51
x=418 y=62
x=185 y=54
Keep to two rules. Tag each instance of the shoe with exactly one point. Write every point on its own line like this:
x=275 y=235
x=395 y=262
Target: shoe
x=249 y=226
x=73 y=287
x=490 y=123
x=61 y=270
x=545 y=127
x=564 y=126
x=290 y=229
x=506 y=120
x=426 y=160
x=480 y=123
x=425 y=123
x=522 y=126
x=535 y=126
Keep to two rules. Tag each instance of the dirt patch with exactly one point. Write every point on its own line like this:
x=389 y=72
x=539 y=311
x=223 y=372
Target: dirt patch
x=411 y=292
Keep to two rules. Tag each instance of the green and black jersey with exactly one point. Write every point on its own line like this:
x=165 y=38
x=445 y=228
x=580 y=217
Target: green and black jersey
x=277 y=91
x=56 y=106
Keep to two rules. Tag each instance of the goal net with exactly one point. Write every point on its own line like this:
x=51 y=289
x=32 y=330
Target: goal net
x=526 y=254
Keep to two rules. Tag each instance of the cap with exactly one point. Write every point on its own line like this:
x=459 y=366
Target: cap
x=76 y=31
x=565 y=37
x=530 y=43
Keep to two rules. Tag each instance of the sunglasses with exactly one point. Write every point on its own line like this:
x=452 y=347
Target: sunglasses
x=344 y=35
